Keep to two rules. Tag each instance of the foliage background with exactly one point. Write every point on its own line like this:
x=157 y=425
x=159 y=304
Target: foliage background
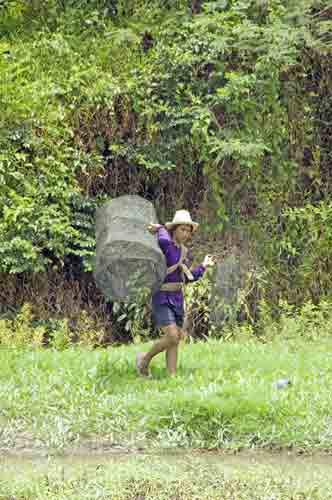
x=223 y=107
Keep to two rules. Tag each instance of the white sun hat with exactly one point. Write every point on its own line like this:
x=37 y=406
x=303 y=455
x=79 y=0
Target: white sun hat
x=182 y=217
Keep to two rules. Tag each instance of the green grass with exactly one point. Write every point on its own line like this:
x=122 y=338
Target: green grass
x=143 y=478
x=160 y=477
x=222 y=397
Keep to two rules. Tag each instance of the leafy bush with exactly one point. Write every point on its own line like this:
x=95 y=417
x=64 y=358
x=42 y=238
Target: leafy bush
x=307 y=241
x=25 y=331
x=309 y=321
x=222 y=107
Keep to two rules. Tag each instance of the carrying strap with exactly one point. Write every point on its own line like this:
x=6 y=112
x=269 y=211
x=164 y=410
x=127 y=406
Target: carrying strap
x=181 y=264
x=171 y=287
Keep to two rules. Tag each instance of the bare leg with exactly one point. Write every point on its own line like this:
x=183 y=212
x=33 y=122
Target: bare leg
x=171 y=359
x=169 y=342
x=172 y=355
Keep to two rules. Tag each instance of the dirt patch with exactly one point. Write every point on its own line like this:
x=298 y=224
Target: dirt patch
x=95 y=446
x=25 y=446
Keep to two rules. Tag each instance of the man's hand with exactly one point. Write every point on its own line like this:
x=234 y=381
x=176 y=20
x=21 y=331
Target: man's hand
x=208 y=261
x=153 y=228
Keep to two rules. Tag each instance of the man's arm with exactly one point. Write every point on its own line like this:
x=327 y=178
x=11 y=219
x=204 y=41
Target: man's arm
x=164 y=238
x=199 y=270
x=197 y=273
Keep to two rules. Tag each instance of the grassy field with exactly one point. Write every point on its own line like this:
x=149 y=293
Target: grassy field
x=222 y=397
x=154 y=477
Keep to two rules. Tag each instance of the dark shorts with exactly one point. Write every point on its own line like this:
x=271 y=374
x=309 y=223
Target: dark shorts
x=166 y=314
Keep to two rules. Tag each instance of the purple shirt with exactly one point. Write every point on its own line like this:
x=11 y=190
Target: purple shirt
x=172 y=254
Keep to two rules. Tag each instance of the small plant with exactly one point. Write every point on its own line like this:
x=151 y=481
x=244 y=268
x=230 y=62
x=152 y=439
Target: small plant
x=87 y=332
x=61 y=336
x=133 y=314
x=20 y=332
x=198 y=307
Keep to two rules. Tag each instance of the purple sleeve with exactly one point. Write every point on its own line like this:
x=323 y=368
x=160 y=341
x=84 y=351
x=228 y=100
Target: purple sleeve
x=197 y=273
x=164 y=238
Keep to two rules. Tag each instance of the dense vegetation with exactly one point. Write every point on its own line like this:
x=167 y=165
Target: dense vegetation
x=223 y=107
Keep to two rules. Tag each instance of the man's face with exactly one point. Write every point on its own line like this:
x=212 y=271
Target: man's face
x=182 y=233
